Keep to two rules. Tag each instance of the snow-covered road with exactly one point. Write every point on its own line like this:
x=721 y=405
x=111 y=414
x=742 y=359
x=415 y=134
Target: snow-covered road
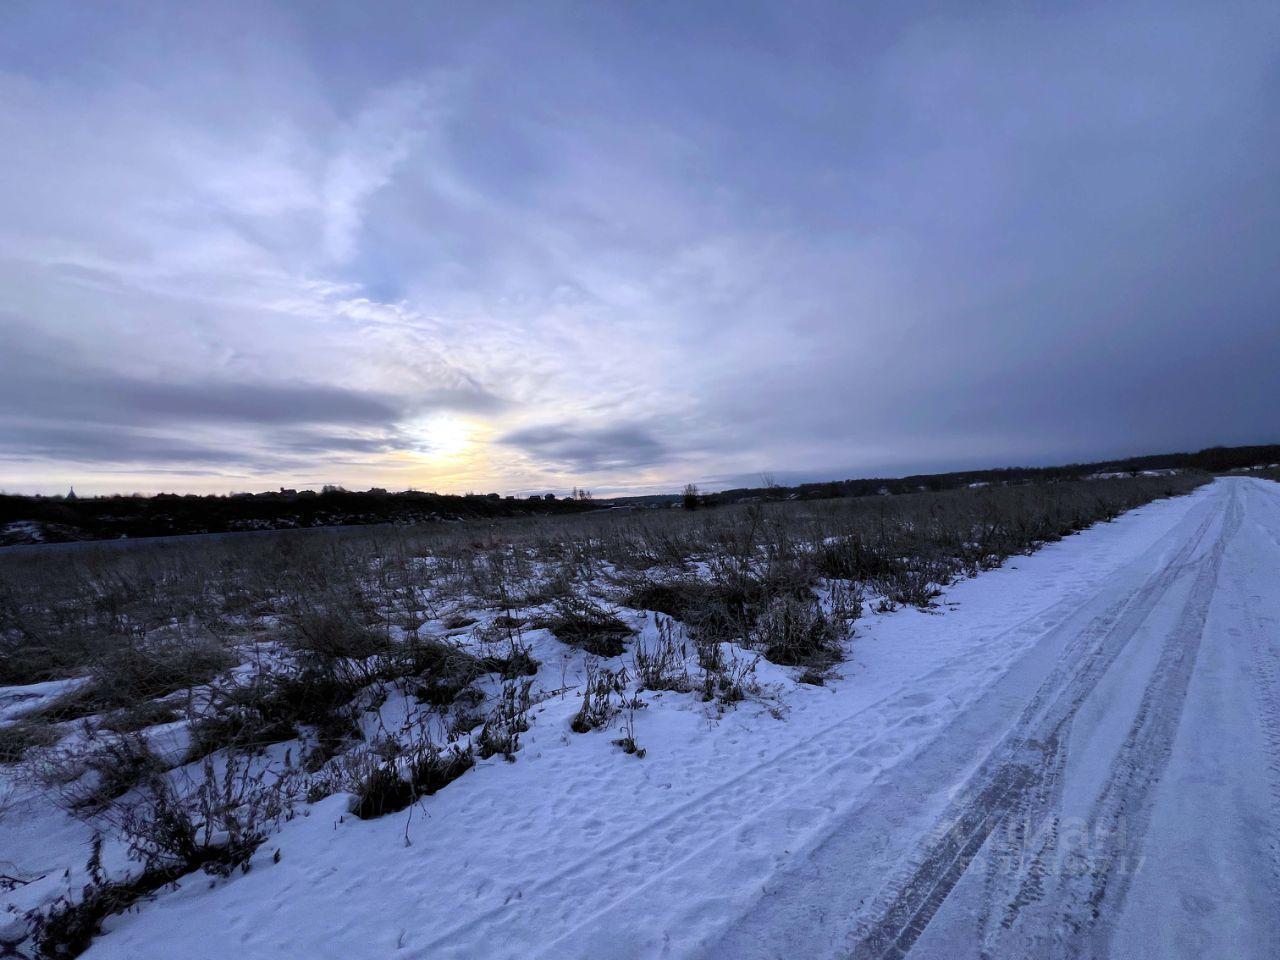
x=1079 y=758
x=1125 y=799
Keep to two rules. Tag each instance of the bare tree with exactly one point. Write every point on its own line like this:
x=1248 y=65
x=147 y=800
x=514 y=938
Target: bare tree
x=692 y=498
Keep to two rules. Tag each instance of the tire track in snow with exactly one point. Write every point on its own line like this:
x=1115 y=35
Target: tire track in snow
x=1122 y=814
x=1000 y=787
x=1030 y=822
x=1266 y=684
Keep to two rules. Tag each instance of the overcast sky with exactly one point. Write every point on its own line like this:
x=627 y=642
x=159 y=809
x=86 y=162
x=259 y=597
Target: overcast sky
x=629 y=245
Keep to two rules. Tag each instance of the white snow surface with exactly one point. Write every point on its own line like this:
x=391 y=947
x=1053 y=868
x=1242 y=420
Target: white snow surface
x=15 y=702
x=1117 y=692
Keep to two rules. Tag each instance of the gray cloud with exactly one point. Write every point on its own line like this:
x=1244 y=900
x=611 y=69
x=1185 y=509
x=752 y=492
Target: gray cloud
x=232 y=402
x=81 y=445
x=94 y=417
x=41 y=380
x=103 y=447
x=56 y=407
x=589 y=449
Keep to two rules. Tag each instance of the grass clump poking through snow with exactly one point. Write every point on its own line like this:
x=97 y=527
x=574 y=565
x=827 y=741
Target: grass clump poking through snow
x=627 y=742
x=334 y=629
x=96 y=768
x=598 y=708
x=437 y=670
x=662 y=664
x=126 y=676
x=728 y=606
x=383 y=791
x=276 y=705
x=393 y=785
x=515 y=661
x=214 y=826
x=23 y=735
x=796 y=632
x=581 y=622
x=508 y=719
x=506 y=652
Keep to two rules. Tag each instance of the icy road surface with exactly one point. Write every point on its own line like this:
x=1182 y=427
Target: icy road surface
x=1078 y=757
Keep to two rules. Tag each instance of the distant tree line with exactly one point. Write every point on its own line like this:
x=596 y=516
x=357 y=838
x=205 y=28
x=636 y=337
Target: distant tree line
x=1211 y=460
x=94 y=518
x=97 y=518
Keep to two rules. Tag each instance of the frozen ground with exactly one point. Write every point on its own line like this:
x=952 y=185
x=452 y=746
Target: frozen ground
x=1076 y=756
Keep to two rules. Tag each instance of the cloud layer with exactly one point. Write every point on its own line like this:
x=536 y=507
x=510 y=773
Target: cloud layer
x=623 y=247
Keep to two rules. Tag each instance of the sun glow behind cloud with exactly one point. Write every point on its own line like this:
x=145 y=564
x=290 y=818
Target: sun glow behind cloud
x=442 y=437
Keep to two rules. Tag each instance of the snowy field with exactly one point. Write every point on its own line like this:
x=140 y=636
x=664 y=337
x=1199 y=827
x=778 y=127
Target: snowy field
x=1074 y=754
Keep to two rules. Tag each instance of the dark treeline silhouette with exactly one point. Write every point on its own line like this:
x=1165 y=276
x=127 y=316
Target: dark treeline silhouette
x=60 y=519
x=1211 y=460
